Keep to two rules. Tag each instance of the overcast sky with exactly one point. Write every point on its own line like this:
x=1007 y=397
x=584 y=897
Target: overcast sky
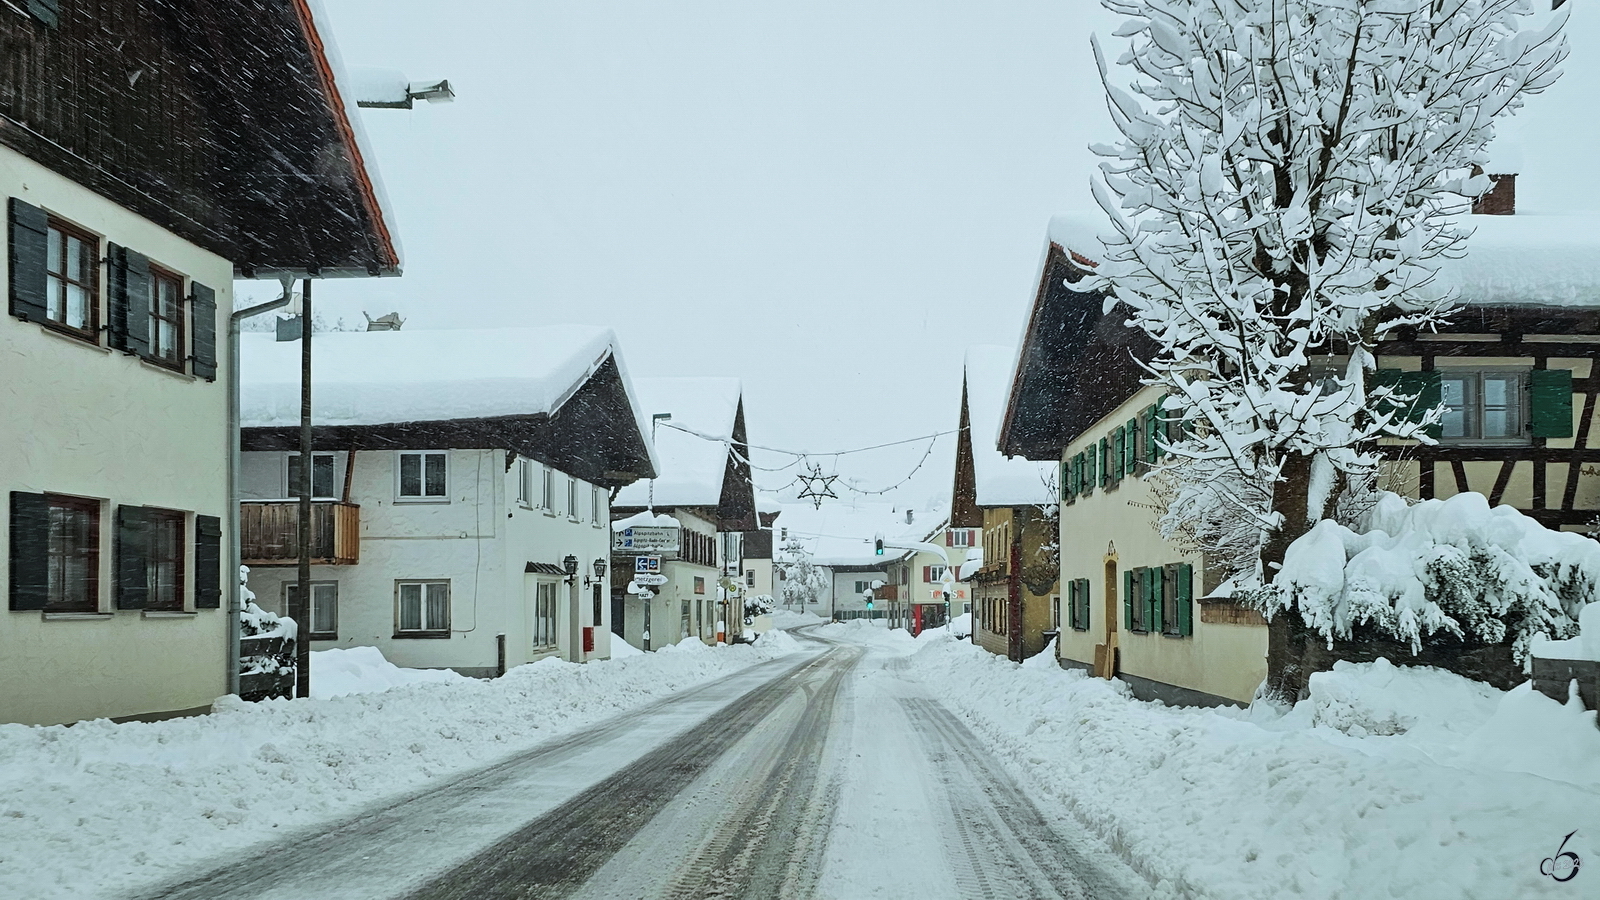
x=827 y=199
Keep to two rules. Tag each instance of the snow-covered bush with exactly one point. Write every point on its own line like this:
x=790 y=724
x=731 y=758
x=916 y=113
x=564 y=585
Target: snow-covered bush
x=258 y=623
x=1454 y=566
x=758 y=605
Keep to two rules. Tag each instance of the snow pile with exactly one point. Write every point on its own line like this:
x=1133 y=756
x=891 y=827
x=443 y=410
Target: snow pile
x=1249 y=805
x=1586 y=645
x=78 y=805
x=1380 y=698
x=1453 y=566
x=621 y=649
x=778 y=641
x=788 y=618
x=363 y=670
x=961 y=626
x=1044 y=659
x=690 y=644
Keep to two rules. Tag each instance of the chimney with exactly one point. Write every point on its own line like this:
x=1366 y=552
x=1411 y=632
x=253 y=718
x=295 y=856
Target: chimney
x=1499 y=200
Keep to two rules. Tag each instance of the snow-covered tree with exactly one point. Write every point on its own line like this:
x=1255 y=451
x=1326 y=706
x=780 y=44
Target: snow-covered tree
x=1289 y=177
x=803 y=582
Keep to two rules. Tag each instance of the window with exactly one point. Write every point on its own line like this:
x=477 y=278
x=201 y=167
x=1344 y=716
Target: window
x=164 y=560
x=1078 y=604
x=699 y=585
x=323 y=475
x=1482 y=406
x=422 y=475
x=933 y=574
x=72 y=560
x=424 y=608
x=543 y=630
x=72 y=280
x=1159 y=599
x=750 y=578
x=598 y=506
x=547 y=490
x=572 y=498
x=324 y=607
x=1055 y=613
x=166 y=318
x=525 y=482
x=961 y=537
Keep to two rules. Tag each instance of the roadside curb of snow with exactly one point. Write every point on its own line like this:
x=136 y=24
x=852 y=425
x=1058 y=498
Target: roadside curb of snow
x=79 y=804
x=1220 y=804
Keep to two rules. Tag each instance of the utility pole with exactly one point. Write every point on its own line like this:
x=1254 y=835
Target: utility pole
x=300 y=609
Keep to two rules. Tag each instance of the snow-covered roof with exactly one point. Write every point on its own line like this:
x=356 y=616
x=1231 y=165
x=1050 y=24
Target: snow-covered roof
x=692 y=448
x=1528 y=260
x=768 y=504
x=1000 y=481
x=390 y=377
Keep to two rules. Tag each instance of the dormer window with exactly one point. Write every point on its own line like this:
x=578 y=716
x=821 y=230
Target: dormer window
x=72 y=280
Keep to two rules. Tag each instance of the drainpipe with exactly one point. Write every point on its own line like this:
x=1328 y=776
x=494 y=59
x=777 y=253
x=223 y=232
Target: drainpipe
x=231 y=520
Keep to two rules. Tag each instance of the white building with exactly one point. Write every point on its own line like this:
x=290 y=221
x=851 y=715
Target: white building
x=704 y=485
x=483 y=462
x=131 y=208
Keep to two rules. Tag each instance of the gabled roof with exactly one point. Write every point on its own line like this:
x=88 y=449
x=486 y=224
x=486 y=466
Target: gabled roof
x=704 y=458
x=220 y=120
x=555 y=393
x=996 y=480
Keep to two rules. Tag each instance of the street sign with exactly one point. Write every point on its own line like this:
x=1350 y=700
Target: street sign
x=646 y=539
x=647 y=564
x=645 y=578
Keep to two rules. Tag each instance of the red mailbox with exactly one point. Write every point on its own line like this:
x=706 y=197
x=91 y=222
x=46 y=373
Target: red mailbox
x=588 y=639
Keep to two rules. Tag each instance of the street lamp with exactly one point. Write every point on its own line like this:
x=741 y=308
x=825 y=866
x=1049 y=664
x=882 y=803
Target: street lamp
x=570 y=566
x=599 y=568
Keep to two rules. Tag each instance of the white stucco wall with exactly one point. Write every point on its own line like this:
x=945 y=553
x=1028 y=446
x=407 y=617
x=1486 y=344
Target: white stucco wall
x=89 y=422
x=480 y=540
x=1223 y=660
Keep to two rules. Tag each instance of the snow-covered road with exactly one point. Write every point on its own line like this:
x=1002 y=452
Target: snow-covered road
x=828 y=773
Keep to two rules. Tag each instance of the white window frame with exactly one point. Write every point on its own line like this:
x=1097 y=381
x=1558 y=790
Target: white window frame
x=572 y=499
x=961 y=537
x=440 y=629
x=599 y=508
x=936 y=574
x=290 y=489
x=536 y=635
x=525 y=483
x=547 y=490
x=318 y=599
x=399 y=457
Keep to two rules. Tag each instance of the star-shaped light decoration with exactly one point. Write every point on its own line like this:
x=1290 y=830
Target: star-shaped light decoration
x=817 y=486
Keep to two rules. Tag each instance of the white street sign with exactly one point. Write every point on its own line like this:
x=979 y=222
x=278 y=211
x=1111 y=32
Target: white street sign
x=646 y=539
x=644 y=578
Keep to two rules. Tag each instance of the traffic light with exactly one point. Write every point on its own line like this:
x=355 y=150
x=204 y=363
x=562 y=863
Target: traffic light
x=869 y=603
x=878 y=545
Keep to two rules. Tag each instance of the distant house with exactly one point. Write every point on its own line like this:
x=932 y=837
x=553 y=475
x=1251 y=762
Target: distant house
x=456 y=476
x=704 y=486
x=926 y=587
x=840 y=539
x=150 y=153
x=1012 y=504
x=760 y=577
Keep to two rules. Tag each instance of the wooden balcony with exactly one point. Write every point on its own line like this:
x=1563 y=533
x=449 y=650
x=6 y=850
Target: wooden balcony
x=269 y=533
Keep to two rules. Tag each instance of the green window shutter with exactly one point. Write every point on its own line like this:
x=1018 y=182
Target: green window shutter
x=30 y=550
x=1424 y=390
x=1185 y=599
x=1083 y=600
x=1114 y=462
x=203 y=316
x=1127 y=597
x=129 y=325
x=1550 y=402
x=28 y=258
x=1147 y=600
x=1090 y=474
x=208 y=562
x=1105 y=470
x=1130 y=446
x=1065 y=481
x=132 y=557
x=1152 y=425
x=1077 y=474
x=1072 y=604
x=1158 y=598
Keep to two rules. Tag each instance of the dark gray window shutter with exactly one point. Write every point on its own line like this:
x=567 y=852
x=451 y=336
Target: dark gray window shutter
x=30 y=550
x=203 y=318
x=46 y=11
x=1185 y=599
x=1550 y=402
x=130 y=301
x=29 y=241
x=207 y=562
x=133 y=557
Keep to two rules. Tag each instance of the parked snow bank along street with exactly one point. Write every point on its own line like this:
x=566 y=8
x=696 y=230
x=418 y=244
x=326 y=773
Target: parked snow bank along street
x=82 y=803
x=1385 y=782
x=363 y=670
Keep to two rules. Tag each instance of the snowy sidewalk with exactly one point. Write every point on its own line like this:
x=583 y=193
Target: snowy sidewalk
x=98 y=809
x=1387 y=782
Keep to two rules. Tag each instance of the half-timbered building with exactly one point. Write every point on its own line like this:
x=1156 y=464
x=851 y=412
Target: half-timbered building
x=150 y=153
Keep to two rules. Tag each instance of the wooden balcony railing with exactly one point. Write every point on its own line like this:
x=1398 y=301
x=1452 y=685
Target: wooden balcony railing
x=269 y=533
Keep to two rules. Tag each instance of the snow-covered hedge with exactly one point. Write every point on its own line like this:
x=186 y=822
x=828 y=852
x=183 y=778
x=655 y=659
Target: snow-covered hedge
x=1454 y=566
